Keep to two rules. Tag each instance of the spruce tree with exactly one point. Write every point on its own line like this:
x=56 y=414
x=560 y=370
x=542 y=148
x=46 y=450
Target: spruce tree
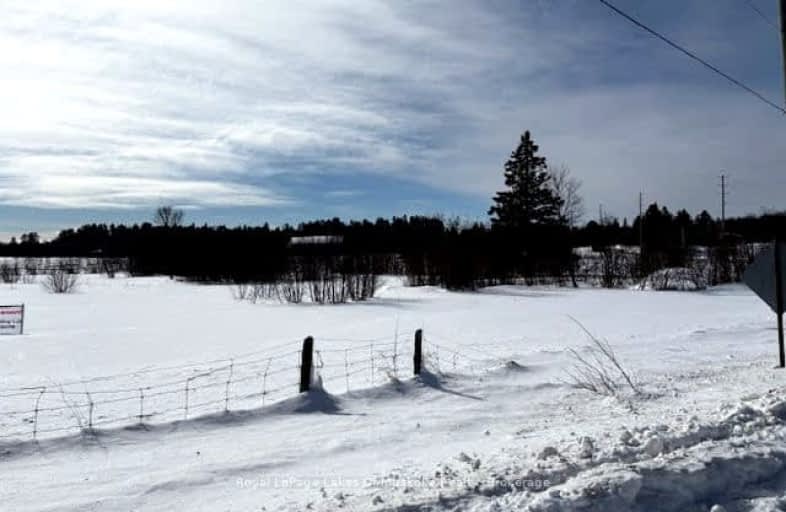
x=530 y=198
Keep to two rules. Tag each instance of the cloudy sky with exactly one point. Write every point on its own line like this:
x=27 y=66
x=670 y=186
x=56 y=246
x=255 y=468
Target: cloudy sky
x=285 y=110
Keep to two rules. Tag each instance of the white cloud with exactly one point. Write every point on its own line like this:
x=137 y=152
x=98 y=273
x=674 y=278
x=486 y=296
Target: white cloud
x=85 y=191
x=174 y=95
x=118 y=104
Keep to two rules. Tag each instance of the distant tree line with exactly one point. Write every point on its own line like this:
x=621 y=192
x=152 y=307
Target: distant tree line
x=430 y=250
x=533 y=231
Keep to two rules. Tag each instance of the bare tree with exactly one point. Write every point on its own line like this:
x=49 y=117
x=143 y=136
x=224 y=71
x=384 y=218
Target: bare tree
x=168 y=216
x=567 y=188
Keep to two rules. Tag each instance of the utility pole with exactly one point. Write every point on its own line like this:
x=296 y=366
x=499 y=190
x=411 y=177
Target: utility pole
x=723 y=202
x=778 y=278
x=641 y=223
x=641 y=265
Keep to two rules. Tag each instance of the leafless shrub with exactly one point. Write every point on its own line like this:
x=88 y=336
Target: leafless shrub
x=293 y=288
x=31 y=266
x=362 y=286
x=678 y=279
x=744 y=256
x=61 y=279
x=599 y=370
x=253 y=292
x=267 y=291
x=333 y=280
x=342 y=288
x=243 y=291
x=616 y=267
x=111 y=266
x=727 y=261
x=328 y=289
x=325 y=286
x=10 y=273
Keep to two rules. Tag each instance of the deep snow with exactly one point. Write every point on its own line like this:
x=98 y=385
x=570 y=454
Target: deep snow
x=496 y=427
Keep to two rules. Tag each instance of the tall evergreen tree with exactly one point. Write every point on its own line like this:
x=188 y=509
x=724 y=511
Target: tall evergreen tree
x=530 y=198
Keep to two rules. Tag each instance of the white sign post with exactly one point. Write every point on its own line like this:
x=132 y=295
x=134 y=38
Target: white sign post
x=12 y=319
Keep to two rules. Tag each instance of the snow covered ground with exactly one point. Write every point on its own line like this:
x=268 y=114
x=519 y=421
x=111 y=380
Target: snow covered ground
x=494 y=425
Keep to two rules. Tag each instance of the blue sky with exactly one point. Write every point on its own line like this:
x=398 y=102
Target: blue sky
x=281 y=111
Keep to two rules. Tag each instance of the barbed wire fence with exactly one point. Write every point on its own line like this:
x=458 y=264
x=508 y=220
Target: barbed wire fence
x=159 y=395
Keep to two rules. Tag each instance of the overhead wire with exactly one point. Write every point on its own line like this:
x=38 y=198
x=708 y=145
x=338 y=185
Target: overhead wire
x=693 y=56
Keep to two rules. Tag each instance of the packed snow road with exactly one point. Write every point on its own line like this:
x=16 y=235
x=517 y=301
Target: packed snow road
x=507 y=432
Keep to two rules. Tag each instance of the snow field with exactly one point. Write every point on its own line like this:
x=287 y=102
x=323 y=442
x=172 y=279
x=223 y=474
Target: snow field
x=485 y=429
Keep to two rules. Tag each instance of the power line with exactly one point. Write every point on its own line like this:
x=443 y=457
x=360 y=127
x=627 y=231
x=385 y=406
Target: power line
x=783 y=38
x=762 y=15
x=693 y=56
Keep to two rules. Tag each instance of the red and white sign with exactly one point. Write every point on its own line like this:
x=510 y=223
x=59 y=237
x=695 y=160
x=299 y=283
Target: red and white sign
x=12 y=319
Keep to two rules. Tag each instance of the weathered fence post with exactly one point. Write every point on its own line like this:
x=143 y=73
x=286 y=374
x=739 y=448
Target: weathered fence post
x=90 y=412
x=141 y=406
x=371 y=356
x=418 y=357
x=346 y=366
x=229 y=383
x=185 y=413
x=35 y=416
x=264 y=381
x=306 y=362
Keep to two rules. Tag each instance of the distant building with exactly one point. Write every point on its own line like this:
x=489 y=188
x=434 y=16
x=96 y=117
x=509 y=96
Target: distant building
x=316 y=240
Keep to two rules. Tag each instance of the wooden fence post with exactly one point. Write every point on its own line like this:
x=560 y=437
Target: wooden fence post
x=306 y=362
x=418 y=357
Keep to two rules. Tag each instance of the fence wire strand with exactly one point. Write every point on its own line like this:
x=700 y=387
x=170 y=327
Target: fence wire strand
x=246 y=382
